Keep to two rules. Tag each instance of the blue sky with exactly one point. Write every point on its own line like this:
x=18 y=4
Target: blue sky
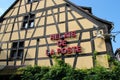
x=105 y=9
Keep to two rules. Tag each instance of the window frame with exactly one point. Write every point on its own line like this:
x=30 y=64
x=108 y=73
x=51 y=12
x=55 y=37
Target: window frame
x=14 y=48
x=28 y=19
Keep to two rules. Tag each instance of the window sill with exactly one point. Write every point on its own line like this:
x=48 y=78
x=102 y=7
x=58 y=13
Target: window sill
x=13 y=58
x=27 y=28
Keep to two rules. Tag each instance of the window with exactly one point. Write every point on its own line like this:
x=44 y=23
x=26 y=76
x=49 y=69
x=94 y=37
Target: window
x=28 y=21
x=30 y=1
x=13 y=54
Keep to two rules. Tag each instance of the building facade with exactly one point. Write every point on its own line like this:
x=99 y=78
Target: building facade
x=32 y=31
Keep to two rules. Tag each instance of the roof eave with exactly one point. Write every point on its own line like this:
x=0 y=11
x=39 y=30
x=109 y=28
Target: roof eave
x=8 y=9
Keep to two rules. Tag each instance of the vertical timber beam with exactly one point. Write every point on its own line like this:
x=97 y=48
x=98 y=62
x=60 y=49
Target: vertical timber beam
x=18 y=35
x=76 y=55
x=93 y=48
x=37 y=51
x=66 y=19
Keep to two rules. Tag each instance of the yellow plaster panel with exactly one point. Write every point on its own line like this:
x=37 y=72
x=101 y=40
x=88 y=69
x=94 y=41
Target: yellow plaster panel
x=44 y=62
x=36 y=22
x=9 y=13
x=32 y=43
x=15 y=11
x=69 y=61
x=62 y=17
x=42 y=41
x=86 y=23
x=28 y=8
x=41 y=21
x=8 y=21
x=62 y=27
x=38 y=14
x=39 y=32
x=18 y=63
x=73 y=44
x=49 y=3
x=1 y=36
x=59 y=1
x=84 y=62
x=11 y=63
x=62 y=9
x=4 y=22
x=50 y=20
x=17 y=26
x=99 y=45
x=19 y=19
x=42 y=52
x=22 y=34
x=17 y=4
x=6 y=37
x=9 y=28
x=86 y=47
x=31 y=53
x=55 y=10
x=12 y=20
x=51 y=29
x=9 y=51
x=54 y=48
x=22 y=2
x=51 y=41
x=29 y=33
x=34 y=5
x=73 y=26
x=77 y=15
x=4 y=45
x=41 y=4
x=3 y=55
x=9 y=45
x=2 y=28
x=23 y=9
x=49 y=12
x=74 y=39
x=29 y=63
x=2 y=65
x=85 y=35
x=14 y=36
x=102 y=60
x=69 y=16
x=68 y=8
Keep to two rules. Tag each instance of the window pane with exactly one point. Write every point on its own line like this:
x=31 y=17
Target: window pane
x=25 y=25
x=14 y=45
x=13 y=54
x=32 y=24
x=20 y=53
x=20 y=49
x=21 y=44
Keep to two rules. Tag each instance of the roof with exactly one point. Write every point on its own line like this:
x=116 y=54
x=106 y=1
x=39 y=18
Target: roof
x=78 y=7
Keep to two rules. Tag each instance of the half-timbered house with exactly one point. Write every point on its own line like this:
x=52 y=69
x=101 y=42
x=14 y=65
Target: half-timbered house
x=32 y=31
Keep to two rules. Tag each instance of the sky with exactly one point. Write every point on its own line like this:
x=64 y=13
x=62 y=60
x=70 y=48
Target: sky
x=105 y=9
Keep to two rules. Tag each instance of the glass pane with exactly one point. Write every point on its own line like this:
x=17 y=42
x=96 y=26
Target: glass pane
x=13 y=54
x=14 y=45
x=26 y=25
x=32 y=24
x=21 y=44
x=20 y=53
